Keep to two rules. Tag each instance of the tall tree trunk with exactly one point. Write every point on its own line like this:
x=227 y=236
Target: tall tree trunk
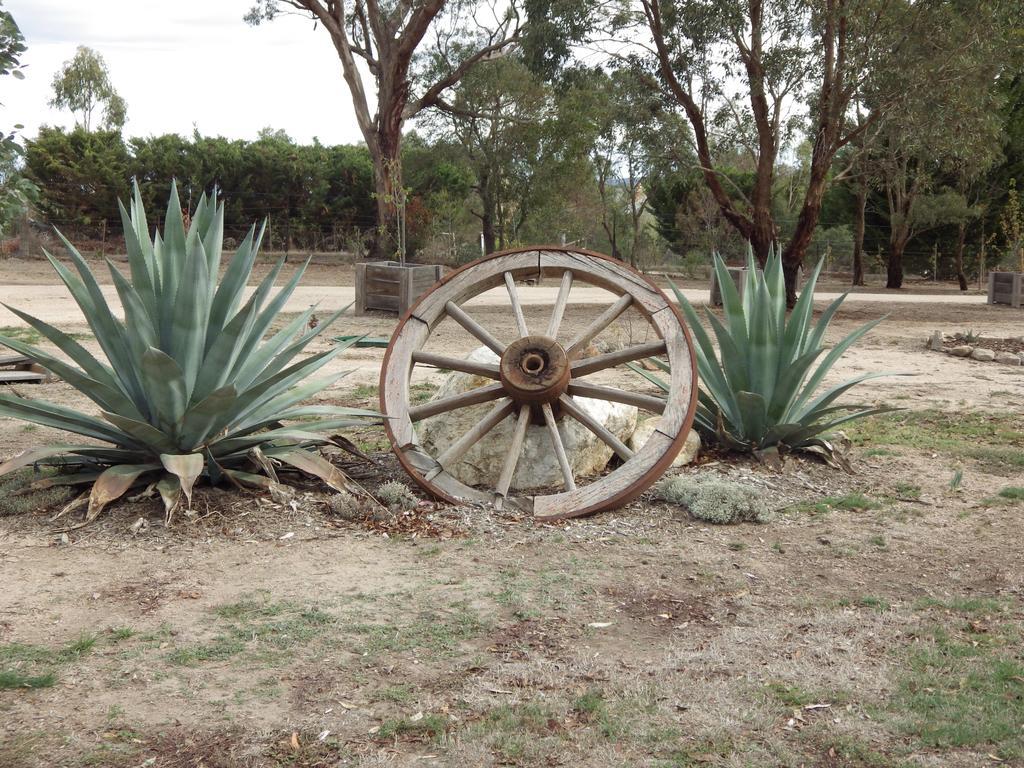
x=487 y=224
x=793 y=257
x=958 y=256
x=898 y=239
x=858 y=231
x=386 y=153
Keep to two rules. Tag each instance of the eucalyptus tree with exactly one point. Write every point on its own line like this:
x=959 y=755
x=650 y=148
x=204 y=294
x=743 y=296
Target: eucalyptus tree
x=946 y=133
x=525 y=140
x=754 y=74
x=82 y=85
x=414 y=52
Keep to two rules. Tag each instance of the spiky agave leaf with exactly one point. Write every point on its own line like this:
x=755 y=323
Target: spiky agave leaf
x=759 y=388
x=191 y=382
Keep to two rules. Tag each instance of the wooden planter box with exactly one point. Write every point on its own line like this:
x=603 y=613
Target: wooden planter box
x=739 y=279
x=1006 y=288
x=391 y=286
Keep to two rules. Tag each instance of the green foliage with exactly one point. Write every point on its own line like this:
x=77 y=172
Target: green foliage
x=83 y=84
x=715 y=500
x=12 y=46
x=760 y=390
x=193 y=385
x=16 y=192
x=78 y=174
x=315 y=195
x=968 y=691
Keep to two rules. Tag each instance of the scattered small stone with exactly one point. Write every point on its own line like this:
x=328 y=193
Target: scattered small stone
x=1008 y=358
x=983 y=355
x=963 y=350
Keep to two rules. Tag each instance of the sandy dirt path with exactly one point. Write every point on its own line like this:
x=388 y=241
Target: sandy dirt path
x=55 y=305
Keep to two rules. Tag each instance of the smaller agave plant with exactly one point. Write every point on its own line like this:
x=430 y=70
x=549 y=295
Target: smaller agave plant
x=759 y=391
x=193 y=384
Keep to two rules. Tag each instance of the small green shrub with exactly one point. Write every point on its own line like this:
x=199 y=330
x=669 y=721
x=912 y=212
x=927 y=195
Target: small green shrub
x=395 y=494
x=714 y=500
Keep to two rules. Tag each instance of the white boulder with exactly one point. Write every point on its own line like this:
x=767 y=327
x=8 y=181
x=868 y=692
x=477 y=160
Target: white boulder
x=646 y=428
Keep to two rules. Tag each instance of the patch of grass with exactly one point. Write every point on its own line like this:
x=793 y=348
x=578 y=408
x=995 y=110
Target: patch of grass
x=851 y=502
x=964 y=692
x=909 y=491
x=1012 y=492
x=438 y=632
x=878 y=541
x=794 y=696
x=255 y=624
x=879 y=604
x=10 y=680
x=880 y=452
x=705 y=751
x=399 y=694
x=16 y=498
x=34 y=666
x=428 y=726
x=995 y=440
x=365 y=392
x=965 y=605
x=218 y=649
x=117 y=634
x=420 y=393
x=23 y=334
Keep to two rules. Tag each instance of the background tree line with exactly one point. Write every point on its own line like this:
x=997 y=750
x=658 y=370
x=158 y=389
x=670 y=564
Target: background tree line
x=885 y=135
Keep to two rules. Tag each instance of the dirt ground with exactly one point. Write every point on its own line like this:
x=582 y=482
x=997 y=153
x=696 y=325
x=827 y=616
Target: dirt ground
x=875 y=621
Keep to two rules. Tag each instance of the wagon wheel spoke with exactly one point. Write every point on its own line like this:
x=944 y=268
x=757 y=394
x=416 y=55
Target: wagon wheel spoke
x=601 y=322
x=598 y=429
x=458 y=449
x=517 y=308
x=563 y=298
x=461 y=400
x=486 y=370
x=515 y=448
x=456 y=313
x=613 y=395
x=556 y=443
x=588 y=365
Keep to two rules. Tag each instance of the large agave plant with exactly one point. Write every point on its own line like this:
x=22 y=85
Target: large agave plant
x=759 y=392
x=193 y=383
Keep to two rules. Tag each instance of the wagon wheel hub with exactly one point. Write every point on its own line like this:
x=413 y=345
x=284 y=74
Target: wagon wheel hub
x=534 y=370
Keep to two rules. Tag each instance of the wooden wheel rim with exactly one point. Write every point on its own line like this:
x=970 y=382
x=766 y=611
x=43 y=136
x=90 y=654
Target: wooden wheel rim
x=608 y=491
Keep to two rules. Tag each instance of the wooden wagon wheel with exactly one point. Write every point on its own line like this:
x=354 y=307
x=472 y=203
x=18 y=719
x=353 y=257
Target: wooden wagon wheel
x=539 y=374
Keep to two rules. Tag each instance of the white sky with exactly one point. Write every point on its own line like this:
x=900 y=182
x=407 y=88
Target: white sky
x=185 y=63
